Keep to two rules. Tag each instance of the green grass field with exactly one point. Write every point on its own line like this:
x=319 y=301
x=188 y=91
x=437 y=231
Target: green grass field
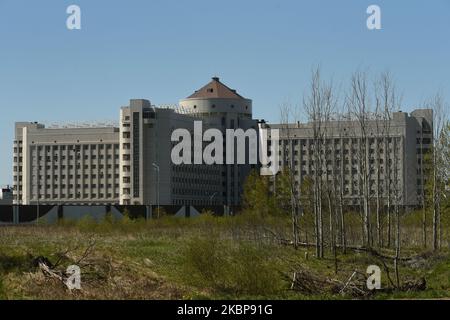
x=206 y=257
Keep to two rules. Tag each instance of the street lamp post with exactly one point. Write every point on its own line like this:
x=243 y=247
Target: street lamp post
x=157 y=169
x=36 y=178
x=37 y=210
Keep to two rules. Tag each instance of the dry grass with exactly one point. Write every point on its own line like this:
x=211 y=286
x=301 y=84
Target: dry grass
x=184 y=259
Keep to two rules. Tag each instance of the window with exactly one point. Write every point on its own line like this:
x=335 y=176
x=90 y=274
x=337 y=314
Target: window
x=136 y=155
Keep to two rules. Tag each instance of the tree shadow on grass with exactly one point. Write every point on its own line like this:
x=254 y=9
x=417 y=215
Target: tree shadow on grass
x=15 y=263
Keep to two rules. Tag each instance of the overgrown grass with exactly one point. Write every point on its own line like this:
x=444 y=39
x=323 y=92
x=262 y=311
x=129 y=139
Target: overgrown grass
x=2 y=289
x=231 y=269
x=173 y=258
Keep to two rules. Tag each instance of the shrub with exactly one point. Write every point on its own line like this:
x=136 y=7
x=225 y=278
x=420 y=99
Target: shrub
x=86 y=224
x=205 y=259
x=253 y=274
x=230 y=269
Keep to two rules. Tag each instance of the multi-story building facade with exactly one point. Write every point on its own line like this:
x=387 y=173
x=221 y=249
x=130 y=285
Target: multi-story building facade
x=148 y=175
x=67 y=165
x=130 y=164
x=220 y=107
x=390 y=153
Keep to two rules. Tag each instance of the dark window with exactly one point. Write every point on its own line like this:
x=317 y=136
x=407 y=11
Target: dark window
x=136 y=154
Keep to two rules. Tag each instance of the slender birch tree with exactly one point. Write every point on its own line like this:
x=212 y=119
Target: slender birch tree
x=313 y=104
x=359 y=104
x=286 y=113
x=436 y=103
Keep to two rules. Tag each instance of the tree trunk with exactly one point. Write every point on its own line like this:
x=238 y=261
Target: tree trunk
x=343 y=231
x=435 y=205
x=397 y=246
x=389 y=224
x=424 y=210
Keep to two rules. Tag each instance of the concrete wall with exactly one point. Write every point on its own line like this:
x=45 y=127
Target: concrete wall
x=14 y=214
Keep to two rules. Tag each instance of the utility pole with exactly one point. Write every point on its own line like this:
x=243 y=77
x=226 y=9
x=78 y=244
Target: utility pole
x=37 y=210
x=157 y=169
x=37 y=194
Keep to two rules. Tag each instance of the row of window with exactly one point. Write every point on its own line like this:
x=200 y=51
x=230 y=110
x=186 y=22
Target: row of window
x=197 y=169
x=78 y=157
x=196 y=193
x=338 y=141
x=423 y=141
x=338 y=161
x=347 y=167
x=78 y=176
x=353 y=192
x=70 y=167
x=338 y=151
x=76 y=196
x=78 y=186
x=197 y=202
x=197 y=181
x=76 y=148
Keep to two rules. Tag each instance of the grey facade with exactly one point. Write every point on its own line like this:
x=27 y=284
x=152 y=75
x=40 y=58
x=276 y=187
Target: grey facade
x=6 y=196
x=148 y=175
x=146 y=150
x=394 y=157
x=131 y=164
x=69 y=165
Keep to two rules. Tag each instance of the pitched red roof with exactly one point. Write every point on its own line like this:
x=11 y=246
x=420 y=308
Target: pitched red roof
x=215 y=89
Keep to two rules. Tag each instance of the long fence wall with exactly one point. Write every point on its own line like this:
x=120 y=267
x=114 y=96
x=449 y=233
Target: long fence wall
x=19 y=214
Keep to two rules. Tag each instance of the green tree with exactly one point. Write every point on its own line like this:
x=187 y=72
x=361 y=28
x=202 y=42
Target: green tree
x=257 y=195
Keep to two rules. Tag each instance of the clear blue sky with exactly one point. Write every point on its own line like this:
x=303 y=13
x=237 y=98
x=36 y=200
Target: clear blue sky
x=164 y=49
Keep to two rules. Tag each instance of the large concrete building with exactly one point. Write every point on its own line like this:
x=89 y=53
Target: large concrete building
x=67 y=165
x=389 y=150
x=130 y=164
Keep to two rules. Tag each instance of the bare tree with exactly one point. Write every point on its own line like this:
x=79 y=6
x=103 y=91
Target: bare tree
x=286 y=113
x=436 y=103
x=340 y=180
x=427 y=162
x=387 y=100
x=328 y=167
x=396 y=150
x=422 y=194
x=359 y=104
x=315 y=104
x=379 y=148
